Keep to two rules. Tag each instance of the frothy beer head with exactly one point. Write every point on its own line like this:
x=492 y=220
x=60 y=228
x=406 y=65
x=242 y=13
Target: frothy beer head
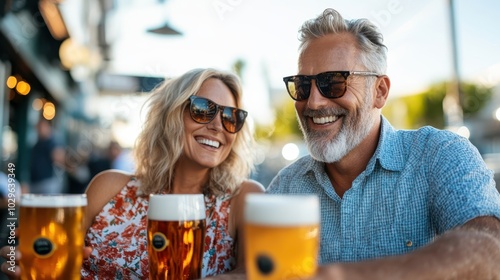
x=282 y=210
x=53 y=201
x=176 y=207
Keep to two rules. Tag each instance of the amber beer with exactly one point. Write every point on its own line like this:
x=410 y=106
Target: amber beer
x=176 y=231
x=282 y=236
x=51 y=236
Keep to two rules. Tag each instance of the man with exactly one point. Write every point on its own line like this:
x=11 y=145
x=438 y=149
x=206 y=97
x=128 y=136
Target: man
x=394 y=204
x=47 y=161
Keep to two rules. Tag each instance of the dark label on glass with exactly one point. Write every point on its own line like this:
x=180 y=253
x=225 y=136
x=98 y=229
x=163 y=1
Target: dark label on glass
x=265 y=264
x=43 y=247
x=159 y=241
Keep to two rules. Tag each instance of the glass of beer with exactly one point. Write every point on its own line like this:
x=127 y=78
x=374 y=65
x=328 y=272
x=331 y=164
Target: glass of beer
x=281 y=236
x=176 y=234
x=51 y=235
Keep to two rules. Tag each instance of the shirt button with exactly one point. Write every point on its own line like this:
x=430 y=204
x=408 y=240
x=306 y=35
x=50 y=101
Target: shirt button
x=409 y=243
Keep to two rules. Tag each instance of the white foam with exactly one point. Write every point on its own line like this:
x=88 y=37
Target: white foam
x=282 y=210
x=176 y=207
x=53 y=200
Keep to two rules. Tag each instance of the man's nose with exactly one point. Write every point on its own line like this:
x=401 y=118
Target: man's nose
x=316 y=100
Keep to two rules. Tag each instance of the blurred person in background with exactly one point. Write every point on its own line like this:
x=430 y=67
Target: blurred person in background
x=98 y=161
x=47 y=161
x=194 y=141
x=121 y=158
x=81 y=171
x=395 y=204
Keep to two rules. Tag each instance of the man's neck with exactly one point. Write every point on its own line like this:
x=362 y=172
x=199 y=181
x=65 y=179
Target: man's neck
x=345 y=171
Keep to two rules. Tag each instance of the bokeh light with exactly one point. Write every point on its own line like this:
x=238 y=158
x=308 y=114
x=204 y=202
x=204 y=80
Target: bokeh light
x=11 y=82
x=37 y=104
x=290 y=151
x=23 y=88
x=49 y=110
x=464 y=131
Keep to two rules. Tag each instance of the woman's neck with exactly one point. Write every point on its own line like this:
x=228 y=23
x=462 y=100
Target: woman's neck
x=189 y=180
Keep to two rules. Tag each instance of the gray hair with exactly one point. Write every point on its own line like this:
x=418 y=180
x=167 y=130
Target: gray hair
x=369 y=38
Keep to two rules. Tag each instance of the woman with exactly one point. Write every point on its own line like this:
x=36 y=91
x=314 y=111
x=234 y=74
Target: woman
x=193 y=141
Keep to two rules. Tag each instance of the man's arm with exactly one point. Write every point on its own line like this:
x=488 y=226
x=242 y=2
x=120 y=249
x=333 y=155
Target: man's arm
x=471 y=251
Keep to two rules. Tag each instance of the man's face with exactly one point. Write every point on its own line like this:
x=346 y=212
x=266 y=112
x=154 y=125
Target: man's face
x=334 y=127
x=44 y=129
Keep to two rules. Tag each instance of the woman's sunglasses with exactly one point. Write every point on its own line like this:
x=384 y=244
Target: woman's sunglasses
x=332 y=84
x=204 y=110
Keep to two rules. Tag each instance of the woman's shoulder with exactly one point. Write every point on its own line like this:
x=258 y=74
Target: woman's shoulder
x=238 y=202
x=246 y=187
x=250 y=185
x=103 y=187
x=108 y=181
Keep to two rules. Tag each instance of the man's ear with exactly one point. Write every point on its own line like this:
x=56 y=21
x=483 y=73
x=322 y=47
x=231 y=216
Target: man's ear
x=382 y=86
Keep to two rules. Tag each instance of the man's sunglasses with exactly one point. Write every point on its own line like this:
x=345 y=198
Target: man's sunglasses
x=332 y=84
x=204 y=110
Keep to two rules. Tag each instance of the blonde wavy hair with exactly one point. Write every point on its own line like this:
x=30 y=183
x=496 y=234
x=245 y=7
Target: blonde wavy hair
x=160 y=143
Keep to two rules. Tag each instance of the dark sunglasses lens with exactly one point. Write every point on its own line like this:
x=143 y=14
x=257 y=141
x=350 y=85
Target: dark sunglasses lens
x=203 y=110
x=233 y=119
x=331 y=85
x=299 y=87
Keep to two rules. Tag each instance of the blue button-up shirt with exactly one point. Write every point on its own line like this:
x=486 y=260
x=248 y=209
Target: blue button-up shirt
x=417 y=185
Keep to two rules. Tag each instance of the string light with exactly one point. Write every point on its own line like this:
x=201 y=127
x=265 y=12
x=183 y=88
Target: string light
x=23 y=88
x=49 y=110
x=11 y=82
x=37 y=104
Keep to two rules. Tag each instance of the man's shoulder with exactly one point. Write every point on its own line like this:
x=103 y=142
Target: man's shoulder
x=398 y=146
x=428 y=135
x=409 y=138
x=291 y=177
x=299 y=166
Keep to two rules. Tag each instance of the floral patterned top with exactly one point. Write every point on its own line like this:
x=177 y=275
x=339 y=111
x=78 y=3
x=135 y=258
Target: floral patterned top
x=118 y=237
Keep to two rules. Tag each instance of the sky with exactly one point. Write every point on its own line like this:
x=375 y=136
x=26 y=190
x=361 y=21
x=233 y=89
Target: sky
x=263 y=34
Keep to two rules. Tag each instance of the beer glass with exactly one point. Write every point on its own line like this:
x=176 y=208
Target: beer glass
x=51 y=236
x=176 y=234
x=281 y=236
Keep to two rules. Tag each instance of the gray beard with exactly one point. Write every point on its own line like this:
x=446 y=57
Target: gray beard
x=351 y=134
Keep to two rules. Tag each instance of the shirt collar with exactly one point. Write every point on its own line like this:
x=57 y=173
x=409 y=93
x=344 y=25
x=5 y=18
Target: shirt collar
x=388 y=153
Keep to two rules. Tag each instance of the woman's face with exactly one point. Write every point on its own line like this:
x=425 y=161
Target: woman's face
x=208 y=145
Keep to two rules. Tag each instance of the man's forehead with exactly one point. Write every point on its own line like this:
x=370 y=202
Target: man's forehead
x=335 y=52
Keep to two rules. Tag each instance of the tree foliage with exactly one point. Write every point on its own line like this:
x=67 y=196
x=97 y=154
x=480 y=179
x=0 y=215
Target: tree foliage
x=426 y=108
x=285 y=124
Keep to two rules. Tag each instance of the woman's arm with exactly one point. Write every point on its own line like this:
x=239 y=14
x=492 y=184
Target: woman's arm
x=103 y=187
x=236 y=222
